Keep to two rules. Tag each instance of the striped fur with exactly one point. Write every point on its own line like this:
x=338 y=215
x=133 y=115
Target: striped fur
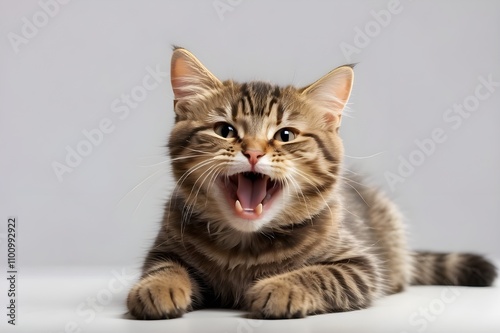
x=320 y=241
x=462 y=269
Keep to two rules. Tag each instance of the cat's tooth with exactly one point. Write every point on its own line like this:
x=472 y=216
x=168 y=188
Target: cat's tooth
x=258 y=209
x=237 y=206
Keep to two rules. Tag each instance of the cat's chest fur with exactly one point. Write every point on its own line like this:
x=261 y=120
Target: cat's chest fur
x=227 y=270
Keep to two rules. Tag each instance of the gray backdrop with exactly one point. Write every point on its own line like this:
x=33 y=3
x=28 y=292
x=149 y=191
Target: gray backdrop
x=86 y=107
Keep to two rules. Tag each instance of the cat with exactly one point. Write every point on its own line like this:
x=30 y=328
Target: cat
x=263 y=218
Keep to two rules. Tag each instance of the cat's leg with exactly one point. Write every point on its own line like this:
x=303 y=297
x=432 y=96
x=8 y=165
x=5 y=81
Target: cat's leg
x=340 y=286
x=165 y=291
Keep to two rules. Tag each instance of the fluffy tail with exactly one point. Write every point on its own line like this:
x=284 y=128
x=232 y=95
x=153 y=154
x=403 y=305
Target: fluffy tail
x=457 y=269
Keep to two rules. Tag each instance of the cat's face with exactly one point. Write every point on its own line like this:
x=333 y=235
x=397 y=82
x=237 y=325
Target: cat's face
x=253 y=156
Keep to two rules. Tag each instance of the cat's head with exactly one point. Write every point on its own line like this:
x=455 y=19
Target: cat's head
x=255 y=156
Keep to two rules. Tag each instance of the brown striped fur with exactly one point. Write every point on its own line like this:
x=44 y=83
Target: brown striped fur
x=326 y=243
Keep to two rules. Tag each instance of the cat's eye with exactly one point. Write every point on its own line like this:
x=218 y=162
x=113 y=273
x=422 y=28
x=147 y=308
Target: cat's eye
x=225 y=130
x=285 y=135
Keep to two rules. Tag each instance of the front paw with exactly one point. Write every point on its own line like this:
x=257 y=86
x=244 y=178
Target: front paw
x=277 y=297
x=159 y=297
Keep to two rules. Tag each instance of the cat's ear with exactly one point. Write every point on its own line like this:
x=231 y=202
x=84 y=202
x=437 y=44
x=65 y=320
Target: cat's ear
x=331 y=93
x=188 y=75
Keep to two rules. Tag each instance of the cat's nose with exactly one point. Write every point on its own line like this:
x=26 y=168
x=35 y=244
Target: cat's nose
x=253 y=155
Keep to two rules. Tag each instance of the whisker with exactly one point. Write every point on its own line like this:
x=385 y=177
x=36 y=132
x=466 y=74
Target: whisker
x=181 y=180
x=365 y=157
x=299 y=191
x=155 y=164
x=222 y=165
x=197 y=151
x=188 y=207
x=138 y=185
x=304 y=176
x=186 y=157
x=143 y=197
x=351 y=180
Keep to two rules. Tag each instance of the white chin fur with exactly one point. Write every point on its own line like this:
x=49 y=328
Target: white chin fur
x=247 y=226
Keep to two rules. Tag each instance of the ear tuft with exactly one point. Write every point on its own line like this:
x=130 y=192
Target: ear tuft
x=188 y=75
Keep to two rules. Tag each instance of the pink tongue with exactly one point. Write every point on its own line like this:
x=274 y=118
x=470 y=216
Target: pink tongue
x=251 y=192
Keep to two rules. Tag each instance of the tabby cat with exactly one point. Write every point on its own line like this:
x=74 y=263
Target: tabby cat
x=262 y=217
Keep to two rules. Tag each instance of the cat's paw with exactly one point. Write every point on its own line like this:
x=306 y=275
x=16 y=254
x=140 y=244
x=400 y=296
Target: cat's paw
x=157 y=297
x=277 y=297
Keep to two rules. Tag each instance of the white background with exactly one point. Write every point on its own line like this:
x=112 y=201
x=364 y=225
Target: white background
x=64 y=77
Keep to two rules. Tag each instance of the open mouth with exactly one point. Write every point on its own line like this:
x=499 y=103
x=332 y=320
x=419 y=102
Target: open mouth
x=250 y=193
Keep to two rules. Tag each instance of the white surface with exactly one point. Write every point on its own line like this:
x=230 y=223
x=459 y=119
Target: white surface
x=52 y=299
x=65 y=79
